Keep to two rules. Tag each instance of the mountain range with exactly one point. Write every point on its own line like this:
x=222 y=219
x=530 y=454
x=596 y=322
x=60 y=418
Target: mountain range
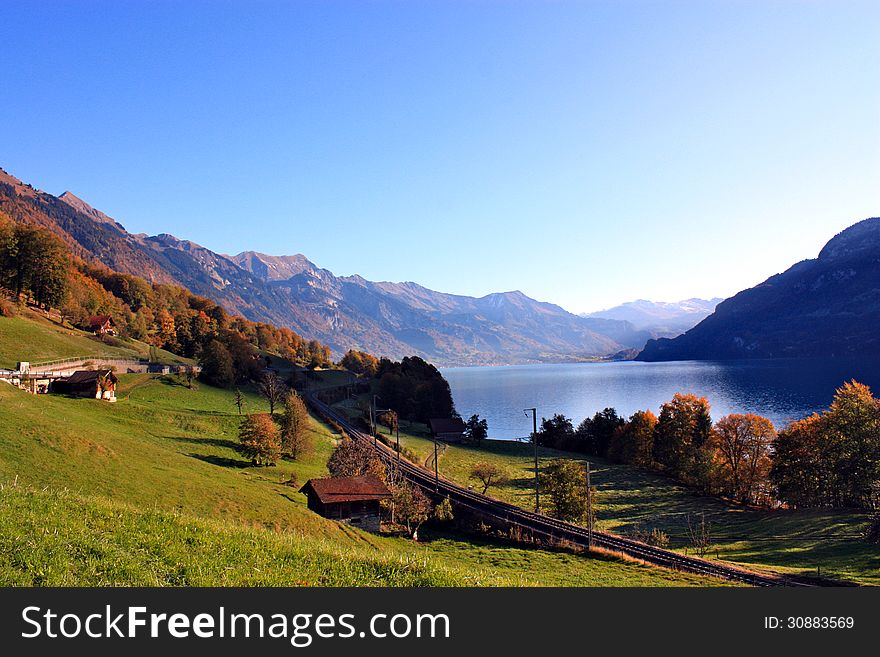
x=389 y=319
x=826 y=306
x=661 y=318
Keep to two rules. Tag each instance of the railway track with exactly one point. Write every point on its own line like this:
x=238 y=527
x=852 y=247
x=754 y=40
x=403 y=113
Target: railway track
x=555 y=531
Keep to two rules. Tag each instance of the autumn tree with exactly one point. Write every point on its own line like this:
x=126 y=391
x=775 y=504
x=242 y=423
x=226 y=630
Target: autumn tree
x=476 y=430
x=489 y=474
x=411 y=507
x=355 y=458
x=681 y=436
x=295 y=435
x=273 y=389
x=260 y=439
x=564 y=482
x=832 y=459
x=743 y=444
x=633 y=443
x=389 y=419
x=360 y=362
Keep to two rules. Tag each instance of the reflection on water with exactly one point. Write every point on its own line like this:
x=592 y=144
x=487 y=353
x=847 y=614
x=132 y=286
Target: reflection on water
x=782 y=390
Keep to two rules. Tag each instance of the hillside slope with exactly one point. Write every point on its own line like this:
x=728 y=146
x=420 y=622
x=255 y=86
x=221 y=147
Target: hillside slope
x=828 y=306
x=390 y=319
x=152 y=491
x=34 y=337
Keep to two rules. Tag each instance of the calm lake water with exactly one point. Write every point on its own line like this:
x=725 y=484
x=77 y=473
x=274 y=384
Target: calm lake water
x=782 y=390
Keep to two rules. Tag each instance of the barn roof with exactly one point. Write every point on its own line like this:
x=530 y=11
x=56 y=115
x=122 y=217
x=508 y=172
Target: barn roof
x=347 y=489
x=100 y=320
x=447 y=425
x=89 y=376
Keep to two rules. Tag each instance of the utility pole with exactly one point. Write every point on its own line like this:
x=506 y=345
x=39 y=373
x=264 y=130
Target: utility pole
x=589 y=509
x=397 y=429
x=534 y=412
x=436 y=470
x=374 y=424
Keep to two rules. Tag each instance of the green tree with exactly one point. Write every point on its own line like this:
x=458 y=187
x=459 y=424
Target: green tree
x=564 y=482
x=489 y=474
x=443 y=511
x=260 y=440
x=801 y=471
x=49 y=270
x=476 y=429
x=594 y=435
x=555 y=432
x=238 y=400
x=217 y=365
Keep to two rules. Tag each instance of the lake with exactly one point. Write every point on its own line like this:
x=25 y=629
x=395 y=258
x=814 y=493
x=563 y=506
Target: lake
x=781 y=389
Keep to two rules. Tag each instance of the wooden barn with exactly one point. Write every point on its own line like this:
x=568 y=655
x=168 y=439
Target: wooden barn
x=102 y=325
x=356 y=500
x=98 y=384
x=449 y=430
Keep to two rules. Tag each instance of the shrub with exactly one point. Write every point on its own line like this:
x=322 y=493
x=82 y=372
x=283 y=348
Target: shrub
x=658 y=538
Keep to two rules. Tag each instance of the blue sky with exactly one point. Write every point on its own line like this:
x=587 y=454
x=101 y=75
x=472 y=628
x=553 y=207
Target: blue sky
x=586 y=153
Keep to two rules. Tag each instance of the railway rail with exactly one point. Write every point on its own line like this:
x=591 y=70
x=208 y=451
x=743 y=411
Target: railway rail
x=553 y=530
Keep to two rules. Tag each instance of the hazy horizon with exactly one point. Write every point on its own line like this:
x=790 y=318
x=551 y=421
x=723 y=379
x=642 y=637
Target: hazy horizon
x=587 y=154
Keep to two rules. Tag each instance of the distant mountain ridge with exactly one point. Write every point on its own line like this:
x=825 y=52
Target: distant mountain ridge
x=827 y=306
x=390 y=319
x=661 y=318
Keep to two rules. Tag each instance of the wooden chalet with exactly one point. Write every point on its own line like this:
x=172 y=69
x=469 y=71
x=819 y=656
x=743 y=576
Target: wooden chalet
x=356 y=500
x=97 y=384
x=102 y=325
x=449 y=430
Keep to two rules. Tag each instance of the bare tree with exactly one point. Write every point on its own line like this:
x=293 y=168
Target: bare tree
x=238 y=400
x=273 y=389
x=700 y=534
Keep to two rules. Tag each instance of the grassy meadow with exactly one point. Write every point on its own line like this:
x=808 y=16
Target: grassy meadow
x=31 y=336
x=151 y=490
x=632 y=502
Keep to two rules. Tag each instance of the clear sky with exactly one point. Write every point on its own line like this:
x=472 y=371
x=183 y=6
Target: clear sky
x=586 y=153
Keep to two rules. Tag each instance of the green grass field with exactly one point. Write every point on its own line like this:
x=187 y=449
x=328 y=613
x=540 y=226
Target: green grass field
x=30 y=336
x=152 y=491
x=632 y=502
